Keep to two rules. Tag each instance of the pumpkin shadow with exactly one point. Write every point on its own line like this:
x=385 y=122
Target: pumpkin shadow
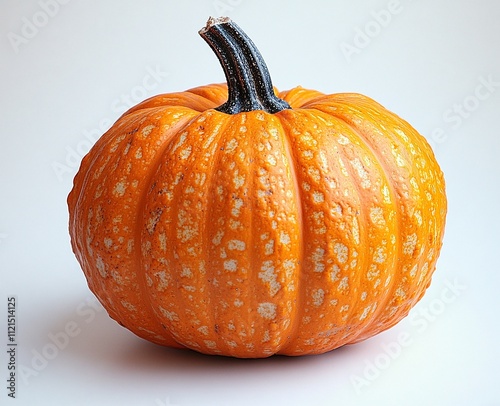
x=105 y=348
x=150 y=358
x=104 y=344
x=104 y=341
x=103 y=338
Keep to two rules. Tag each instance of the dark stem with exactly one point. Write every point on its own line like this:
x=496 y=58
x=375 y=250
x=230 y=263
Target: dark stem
x=249 y=83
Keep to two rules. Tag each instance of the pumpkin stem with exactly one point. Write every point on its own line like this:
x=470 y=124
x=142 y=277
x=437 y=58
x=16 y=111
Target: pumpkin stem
x=249 y=83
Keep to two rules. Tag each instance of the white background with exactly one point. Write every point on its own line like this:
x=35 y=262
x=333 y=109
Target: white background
x=67 y=71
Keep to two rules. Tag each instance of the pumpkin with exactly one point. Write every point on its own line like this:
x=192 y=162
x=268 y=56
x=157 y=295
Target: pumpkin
x=242 y=221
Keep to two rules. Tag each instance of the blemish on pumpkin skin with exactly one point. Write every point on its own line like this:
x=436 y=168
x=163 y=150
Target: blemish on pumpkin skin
x=343 y=140
x=117 y=278
x=186 y=272
x=317 y=257
x=235 y=225
x=203 y=330
x=379 y=256
x=387 y=281
x=101 y=267
x=334 y=273
x=108 y=242
x=377 y=216
x=238 y=180
x=231 y=146
x=269 y=247
x=423 y=273
x=267 y=310
x=181 y=141
x=119 y=189
x=362 y=173
x=307 y=154
x=410 y=244
x=341 y=251
x=271 y=159
x=130 y=246
x=314 y=173
x=344 y=283
x=163 y=281
x=186 y=153
x=355 y=230
x=170 y=315
x=231 y=265
x=210 y=344
x=318 y=197
x=147 y=130
x=365 y=313
x=269 y=277
x=236 y=245
x=284 y=238
x=343 y=169
x=318 y=297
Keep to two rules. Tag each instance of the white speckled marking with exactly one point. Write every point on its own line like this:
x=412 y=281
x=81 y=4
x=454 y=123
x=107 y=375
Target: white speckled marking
x=377 y=216
x=147 y=130
x=318 y=296
x=230 y=265
x=236 y=245
x=410 y=244
x=129 y=306
x=284 y=238
x=119 y=189
x=379 y=256
x=341 y=251
x=344 y=283
x=267 y=310
x=362 y=173
x=317 y=257
x=268 y=275
x=99 y=263
x=269 y=247
x=318 y=197
x=170 y=315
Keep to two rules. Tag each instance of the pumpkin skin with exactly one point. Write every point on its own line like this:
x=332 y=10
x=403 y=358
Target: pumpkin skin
x=256 y=233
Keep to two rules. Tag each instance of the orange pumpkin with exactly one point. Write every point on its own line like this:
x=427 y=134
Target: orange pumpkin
x=289 y=223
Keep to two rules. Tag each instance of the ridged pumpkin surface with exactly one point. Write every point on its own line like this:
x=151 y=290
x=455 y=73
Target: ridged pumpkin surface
x=253 y=234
